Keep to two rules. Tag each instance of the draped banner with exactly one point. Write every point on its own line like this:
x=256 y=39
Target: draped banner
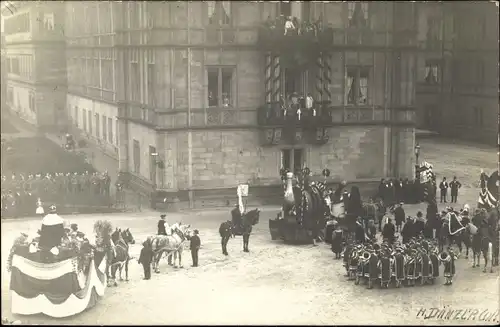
x=57 y=289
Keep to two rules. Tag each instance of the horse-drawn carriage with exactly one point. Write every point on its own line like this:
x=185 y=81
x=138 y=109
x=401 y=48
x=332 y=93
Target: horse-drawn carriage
x=59 y=282
x=303 y=211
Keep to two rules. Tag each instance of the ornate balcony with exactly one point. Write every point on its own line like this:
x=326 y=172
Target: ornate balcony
x=280 y=36
x=293 y=124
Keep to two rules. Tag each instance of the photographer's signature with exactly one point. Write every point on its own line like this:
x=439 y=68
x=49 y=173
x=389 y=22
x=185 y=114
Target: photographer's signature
x=448 y=313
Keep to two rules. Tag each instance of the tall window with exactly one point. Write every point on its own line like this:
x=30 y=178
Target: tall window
x=107 y=70
x=292 y=159
x=96 y=71
x=433 y=29
x=431 y=72
x=219 y=12
x=220 y=87
x=357 y=14
x=285 y=8
x=357 y=85
x=480 y=73
x=32 y=102
x=76 y=116
x=90 y=121
x=110 y=130
x=48 y=22
x=478 y=116
x=104 y=128
x=135 y=76
x=117 y=133
x=84 y=119
x=97 y=126
x=137 y=156
x=152 y=164
x=151 y=80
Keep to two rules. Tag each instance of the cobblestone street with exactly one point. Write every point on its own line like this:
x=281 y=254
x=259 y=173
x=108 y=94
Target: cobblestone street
x=277 y=283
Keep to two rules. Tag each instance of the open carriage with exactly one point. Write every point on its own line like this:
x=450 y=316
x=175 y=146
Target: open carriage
x=60 y=282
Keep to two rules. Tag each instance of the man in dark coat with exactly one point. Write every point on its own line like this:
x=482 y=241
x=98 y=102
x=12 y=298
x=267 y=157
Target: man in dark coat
x=389 y=231
x=399 y=216
x=419 y=224
x=360 y=233
x=454 y=186
x=194 y=246
x=432 y=217
x=398 y=190
x=443 y=187
x=145 y=259
x=382 y=190
x=161 y=226
x=408 y=230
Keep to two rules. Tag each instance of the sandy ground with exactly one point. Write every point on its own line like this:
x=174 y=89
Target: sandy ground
x=276 y=283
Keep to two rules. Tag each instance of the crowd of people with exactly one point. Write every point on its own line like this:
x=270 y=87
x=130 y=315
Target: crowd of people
x=20 y=192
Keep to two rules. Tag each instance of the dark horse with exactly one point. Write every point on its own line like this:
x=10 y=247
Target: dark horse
x=482 y=241
x=462 y=237
x=121 y=255
x=242 y=227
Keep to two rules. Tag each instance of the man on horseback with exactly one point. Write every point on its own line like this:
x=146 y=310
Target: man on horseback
x=237 y=215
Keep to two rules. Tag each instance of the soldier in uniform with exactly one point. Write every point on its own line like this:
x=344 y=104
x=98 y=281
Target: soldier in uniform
x=236 y=216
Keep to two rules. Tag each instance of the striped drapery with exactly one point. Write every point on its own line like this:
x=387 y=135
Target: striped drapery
x=486 y=199
x=276 y=78
x=327 y=77
x=269 y=78
x=319 y=77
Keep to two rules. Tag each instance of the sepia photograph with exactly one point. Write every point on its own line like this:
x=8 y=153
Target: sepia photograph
x=250 y=163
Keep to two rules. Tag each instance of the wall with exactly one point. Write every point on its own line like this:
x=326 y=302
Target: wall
x=351 y=153
x=222 y=159
x=225 y=157
x=95 y=107
x=21 y=100
x=146 y=137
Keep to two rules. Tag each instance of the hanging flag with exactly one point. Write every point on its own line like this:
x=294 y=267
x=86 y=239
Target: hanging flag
x=486 y=199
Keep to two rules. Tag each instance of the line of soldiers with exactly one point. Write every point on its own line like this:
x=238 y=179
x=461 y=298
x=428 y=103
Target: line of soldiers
x=418 y=259
x=394 y=191
x=20 y=192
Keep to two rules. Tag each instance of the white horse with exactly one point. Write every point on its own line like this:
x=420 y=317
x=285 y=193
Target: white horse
x=171 y=245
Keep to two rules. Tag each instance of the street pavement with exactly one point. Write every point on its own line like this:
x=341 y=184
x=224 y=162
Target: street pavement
x=277 y=283
x=273 y=284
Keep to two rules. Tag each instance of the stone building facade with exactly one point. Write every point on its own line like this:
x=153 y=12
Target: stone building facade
x=35 y=89
x=457 y=85
x=178 y=92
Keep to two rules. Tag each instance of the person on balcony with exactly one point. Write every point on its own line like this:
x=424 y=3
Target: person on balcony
x=289 y=26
